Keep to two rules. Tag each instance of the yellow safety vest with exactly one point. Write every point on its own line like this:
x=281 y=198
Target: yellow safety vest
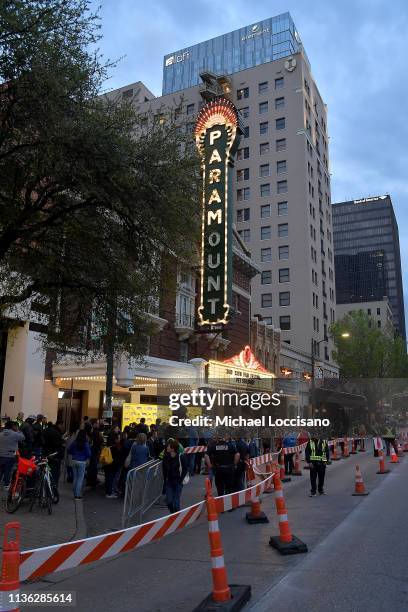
x=313 y=452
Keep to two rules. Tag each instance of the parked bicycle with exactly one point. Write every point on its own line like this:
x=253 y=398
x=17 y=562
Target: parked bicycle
x=45 y=491
x=24 y=470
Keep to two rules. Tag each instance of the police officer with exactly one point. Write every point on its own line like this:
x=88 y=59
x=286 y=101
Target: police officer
x=317 y=456
x=224 y=457
x=243 y=450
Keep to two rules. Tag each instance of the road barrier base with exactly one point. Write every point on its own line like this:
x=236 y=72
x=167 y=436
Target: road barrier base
x=286 y=479
x=359 y=494
x=294 y=547
x=383 y=472
x=240 y=595
x=253 y=520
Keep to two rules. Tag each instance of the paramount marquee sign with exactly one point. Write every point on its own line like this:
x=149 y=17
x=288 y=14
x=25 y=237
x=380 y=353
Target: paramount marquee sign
x=217 y=135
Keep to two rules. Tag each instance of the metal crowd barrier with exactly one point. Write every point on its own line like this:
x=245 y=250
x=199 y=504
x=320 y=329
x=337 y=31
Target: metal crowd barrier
x=144 y=486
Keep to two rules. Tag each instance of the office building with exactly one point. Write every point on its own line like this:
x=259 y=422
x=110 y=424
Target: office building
x=367 y=255
x=379 y=311
x=282 y=182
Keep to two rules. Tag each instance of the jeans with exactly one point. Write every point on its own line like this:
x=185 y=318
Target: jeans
x=317 y=472
x=78 y=468
x=6 y=465
x=173 y=495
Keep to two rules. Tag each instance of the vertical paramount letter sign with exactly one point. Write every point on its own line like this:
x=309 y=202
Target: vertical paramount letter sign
x=217 y=135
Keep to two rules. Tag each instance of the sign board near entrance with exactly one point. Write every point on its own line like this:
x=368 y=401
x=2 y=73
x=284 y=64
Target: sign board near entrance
x=217 y=135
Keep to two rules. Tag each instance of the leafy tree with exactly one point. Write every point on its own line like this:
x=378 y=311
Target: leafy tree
x=368 y=351
x=92 y=200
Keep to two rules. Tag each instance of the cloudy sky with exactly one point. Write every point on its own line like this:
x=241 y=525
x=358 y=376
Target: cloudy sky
x=358 y=52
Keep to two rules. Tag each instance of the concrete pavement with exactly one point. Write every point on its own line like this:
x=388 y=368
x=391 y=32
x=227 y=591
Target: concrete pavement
x=174 y=573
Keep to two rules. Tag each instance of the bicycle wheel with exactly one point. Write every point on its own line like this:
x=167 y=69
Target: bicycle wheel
x=35 y=494
x=46 y=496
x=55 y=492
x=16 y=493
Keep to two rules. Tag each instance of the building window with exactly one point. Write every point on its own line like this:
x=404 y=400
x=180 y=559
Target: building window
x=243 y=93
x=279 y=83
x=266 y=254
x=265 y=190
x=280 y=123
x=246 y=131
x=243 y=215
x=264 y=148
x=281 y=186
x=284 y=298
x=279 y=103
x=264 y=170
x=243 y=194
x=266 y=277
x=263 y=127
x=284 y=252
x=281 y=144
x=190 y=109
x=284 y=322
x=243 y=153
x=263 y=87
x=369 y=311
x=281 y=166
x=245 y=235
x=266 y=300
x=283 y=230
x=378 y=323
x=378 y=311
x=265 y=211
x=266 y=232
x=244 y=112
x=243 y=175
x=282 y=209
x=263 y=107
x=284 y=275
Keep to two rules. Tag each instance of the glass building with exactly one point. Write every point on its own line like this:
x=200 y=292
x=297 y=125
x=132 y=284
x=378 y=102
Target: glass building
x=367 y=255
x=247 y=47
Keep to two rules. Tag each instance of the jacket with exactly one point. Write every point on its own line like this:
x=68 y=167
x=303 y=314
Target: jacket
x=54 y=442
x=139 y=454
x=174 y=468
x=79 y=454
x=318 y=449
x=9 y=441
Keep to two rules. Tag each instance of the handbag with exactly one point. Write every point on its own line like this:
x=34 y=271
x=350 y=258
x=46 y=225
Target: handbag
x=106 y=456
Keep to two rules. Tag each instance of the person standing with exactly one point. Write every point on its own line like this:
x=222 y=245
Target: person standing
x=10 y=438
x=317 y=456
x=26 y=446
x=224 y=457
x=174 y=471
x=54 y=443
x=139 y=453
x=142 y=427
x=38 y=442
x=288 y=441
x=96 y=438
x=243 y=449
x=80 y=452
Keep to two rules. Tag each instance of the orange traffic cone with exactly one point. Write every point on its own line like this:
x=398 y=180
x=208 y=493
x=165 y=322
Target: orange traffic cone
x=10 y=569
x=286 y=543
x=297 y=470
x=283 y=476
x=382 y=469
x=346 y=451
x=269 y=487
x=222 y=592
x=359 y=484
x=394 y=458
x=334 y=452
x=250 y=479
x=353 y=447
x=256 y=515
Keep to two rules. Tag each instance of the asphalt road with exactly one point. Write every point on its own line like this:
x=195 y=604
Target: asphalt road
x=357 y=555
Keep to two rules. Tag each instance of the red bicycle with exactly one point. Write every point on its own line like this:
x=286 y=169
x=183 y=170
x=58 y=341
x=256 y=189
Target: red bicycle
x=18 y=483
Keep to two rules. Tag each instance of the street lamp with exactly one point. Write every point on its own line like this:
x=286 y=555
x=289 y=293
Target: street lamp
x=345 y=334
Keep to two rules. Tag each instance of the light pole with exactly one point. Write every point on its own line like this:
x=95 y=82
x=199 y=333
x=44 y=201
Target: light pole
x=325 y=339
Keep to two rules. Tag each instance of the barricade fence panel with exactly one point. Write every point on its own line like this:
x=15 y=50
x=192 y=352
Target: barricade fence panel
x=144 y=485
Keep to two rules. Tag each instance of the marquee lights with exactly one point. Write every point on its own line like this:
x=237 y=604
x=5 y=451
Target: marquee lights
x=217 y=135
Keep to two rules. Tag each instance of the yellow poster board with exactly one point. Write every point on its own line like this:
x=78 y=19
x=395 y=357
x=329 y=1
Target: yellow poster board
x=132 y=413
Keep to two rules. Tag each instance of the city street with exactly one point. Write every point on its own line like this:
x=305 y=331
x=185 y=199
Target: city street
x=356 y=547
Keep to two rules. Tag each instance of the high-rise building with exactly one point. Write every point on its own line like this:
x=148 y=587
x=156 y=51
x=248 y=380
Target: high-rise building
x=282 y=206
x=367 y=254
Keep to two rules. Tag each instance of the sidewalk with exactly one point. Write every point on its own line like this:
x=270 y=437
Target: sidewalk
x=104 y=515
x=40 y=529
